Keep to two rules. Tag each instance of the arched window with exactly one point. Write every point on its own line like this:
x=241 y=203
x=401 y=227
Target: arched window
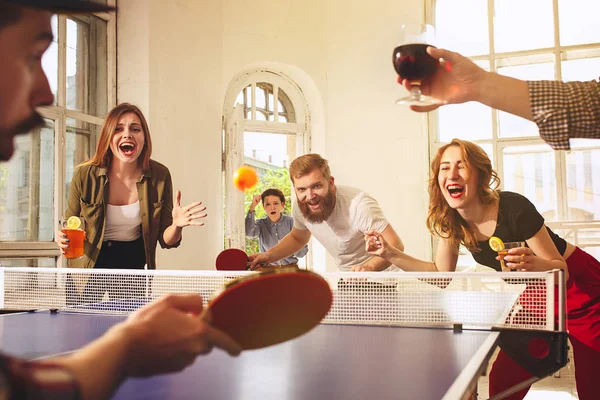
x=266 y=124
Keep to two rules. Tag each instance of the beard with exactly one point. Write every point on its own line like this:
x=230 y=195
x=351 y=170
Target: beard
x=34 y=121
x=327 y=205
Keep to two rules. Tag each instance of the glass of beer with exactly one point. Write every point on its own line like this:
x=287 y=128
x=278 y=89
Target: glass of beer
x=413 y=63
x=504 y=252
x=74 y=228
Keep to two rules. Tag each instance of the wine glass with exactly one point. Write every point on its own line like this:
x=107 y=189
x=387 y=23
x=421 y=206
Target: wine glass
x=412 y=62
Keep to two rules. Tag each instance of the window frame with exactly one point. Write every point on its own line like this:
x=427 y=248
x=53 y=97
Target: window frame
x=59 y=114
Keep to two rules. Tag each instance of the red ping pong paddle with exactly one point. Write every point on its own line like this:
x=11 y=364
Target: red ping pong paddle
x=270 y=307
x=232 y=260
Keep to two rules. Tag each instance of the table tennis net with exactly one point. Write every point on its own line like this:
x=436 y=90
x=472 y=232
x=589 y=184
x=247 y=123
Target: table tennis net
x=504 y=300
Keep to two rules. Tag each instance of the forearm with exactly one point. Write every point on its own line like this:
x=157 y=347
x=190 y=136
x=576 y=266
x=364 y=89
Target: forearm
x=288 y=246
x=506 y=94
x=375 y=264
x=172 y=235
x=252 y=230
x=407 y=263
x=99 y=368
x=542 y=264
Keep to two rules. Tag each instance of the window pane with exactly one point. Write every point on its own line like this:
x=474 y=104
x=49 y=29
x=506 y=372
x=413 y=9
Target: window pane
x=529 y=170
x=239 y=99
x=270 y=148
x=86 y=67
x=537 y=71
x=77 y=61
x=452 y=122
x=451 y=119
x=261 y=98
x=487 y=147
x=78 y=143
x=586 y=69
x=513 y=126
x=268 y=153
x=513 y=25
x=578 y=21
x=271 y=102
x=464 y=32
x=27 y=188
x=285 y=107
x=50 y=59
x=593 y=250
x=583 y=182
x=582 y=236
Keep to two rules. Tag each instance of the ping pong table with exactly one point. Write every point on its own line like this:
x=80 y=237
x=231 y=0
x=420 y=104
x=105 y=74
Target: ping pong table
x=349 y=360
x=330 y=362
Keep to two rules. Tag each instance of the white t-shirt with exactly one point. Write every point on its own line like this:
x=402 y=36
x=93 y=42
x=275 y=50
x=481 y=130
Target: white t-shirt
x=342 y=234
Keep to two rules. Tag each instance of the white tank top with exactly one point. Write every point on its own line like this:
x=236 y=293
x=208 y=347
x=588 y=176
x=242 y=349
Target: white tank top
x=123 y=223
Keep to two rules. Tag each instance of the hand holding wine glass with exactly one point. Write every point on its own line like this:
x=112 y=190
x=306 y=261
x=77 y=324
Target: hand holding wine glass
x=456 y=80
x=413 y=63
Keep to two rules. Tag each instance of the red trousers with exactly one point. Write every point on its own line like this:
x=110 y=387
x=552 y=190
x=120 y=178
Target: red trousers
x=583 y=324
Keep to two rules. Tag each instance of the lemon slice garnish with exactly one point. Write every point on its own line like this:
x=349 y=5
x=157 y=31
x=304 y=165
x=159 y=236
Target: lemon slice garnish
x=496 y=243
x=73 y=222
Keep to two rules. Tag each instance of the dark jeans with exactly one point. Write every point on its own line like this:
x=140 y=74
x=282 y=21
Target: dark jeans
x=113 y=255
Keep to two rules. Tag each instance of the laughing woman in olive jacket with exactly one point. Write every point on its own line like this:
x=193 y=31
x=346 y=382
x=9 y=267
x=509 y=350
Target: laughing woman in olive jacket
x=126 y=200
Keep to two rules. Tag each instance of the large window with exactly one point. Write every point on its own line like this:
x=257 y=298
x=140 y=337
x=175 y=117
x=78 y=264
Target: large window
x=266 y=127
x=34 y=184
x=533 y=40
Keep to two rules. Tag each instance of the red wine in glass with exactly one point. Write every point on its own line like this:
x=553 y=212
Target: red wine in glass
x=413 y=63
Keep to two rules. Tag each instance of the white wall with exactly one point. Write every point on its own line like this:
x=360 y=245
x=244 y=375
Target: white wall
x=133 y=54
x=372 y=143
x=188 y=51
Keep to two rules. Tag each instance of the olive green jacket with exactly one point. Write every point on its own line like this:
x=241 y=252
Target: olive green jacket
x=88 y=199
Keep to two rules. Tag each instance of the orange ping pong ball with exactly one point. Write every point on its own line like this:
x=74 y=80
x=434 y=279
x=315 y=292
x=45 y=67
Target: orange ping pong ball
x=245 y=178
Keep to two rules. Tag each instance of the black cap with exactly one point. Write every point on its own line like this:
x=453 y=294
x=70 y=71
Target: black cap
x=62 y=6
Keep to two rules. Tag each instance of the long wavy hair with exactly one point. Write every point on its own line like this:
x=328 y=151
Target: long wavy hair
x=446 y=222
x=104 y=154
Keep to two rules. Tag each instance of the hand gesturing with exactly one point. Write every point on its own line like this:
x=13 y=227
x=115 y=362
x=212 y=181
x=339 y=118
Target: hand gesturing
x=188 y=215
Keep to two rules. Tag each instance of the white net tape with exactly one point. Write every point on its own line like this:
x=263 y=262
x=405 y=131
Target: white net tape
x=506 y=300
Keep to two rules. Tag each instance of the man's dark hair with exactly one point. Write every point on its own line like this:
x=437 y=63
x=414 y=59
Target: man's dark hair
x=272 y=192
x=9 y=14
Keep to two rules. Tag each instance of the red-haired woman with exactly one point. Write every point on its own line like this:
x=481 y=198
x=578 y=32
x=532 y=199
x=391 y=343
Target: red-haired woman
x=466 y=208
x=126 y=200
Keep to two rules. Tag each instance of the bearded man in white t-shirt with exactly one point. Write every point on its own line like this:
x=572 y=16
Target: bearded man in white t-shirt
x=338 y=216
